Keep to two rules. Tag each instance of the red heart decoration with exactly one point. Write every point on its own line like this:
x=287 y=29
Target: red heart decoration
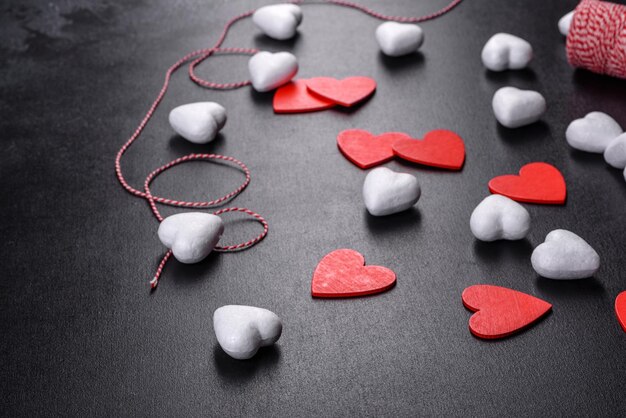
x=501 y=312
x=346 y=92
x=620 y=309
x=439 y=148
x=537 y=183
x=294 y=97
x=343 y=274
x=366 y=150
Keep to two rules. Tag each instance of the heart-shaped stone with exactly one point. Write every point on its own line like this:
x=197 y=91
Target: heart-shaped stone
x=397 y=39
x=242 y=330
x=565 y=22
x=504 y=51
x=620 y=309
x=191 y=235
x=271 y=70
x=537 y=183
x=593 y=133
x=343 y=273
x=278 y=21
x=615 y=152
x=565 y=256
x=439 y=148
x=501 y=312
x=366 y=150
x=346 y=92
x=294 y=97
x=386 y=192
x=514 y=107
x=198 y=122
x=498 y=217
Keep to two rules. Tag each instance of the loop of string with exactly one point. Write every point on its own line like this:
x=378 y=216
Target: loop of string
x=197 y=57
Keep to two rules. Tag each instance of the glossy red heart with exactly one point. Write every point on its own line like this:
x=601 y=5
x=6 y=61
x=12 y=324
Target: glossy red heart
x=294 y=97
x=343 y=273
x=439 y=148
x=346 y=92
x=537 y=183
x=620 y=309
x=366 y=150
x=501 y=312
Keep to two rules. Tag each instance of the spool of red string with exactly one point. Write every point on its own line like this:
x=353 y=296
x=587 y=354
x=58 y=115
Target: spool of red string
x=597 y=38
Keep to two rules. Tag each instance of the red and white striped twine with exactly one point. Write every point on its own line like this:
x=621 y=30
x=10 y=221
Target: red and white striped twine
x=196 y=58
x=597 y=38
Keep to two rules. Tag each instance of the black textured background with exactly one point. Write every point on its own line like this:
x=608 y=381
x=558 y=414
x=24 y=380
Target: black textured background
x=80 y=332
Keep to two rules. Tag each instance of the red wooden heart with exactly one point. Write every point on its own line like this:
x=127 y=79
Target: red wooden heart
x=346 y=92
x=366 y=150
x=294 y=97
x=536 y=183
x=501 y=312
x=620 y=309
x=439 y=148
x=343 y=273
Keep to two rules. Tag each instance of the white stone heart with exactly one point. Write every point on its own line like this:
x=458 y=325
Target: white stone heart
x=278 y=21
x=593 y=132
x=565 y=256
x=498 y=217
x=397 y=39
x=514 y=107
x=386 y=192
x=565 y=22
x=504 y=51
x=271 y=70
x=615 y=152
x=242 y=330
x=191 y=236
x=198 y=122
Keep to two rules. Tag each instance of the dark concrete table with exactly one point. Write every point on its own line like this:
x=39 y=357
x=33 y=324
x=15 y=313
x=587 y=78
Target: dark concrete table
x=82 y=335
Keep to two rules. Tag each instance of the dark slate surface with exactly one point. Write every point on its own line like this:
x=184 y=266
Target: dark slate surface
x=80 y=333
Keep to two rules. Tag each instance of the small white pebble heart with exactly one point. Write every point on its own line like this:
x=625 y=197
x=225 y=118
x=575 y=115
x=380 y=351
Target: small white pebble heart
x=565 y=256
x=565 y=22
x=397 y=39
x=242 y=330
x=615 y=152
x=278 y=21
x=386 y=192
x=504 y=51
x=498 y=217
x=593 y=133
x=191 y=235
x=198 y=122
x=271 y=70
x=514 y=107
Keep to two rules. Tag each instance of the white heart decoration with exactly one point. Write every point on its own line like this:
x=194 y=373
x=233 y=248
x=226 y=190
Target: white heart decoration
x=191 y=236
x=615 y=152
x=498 y=217
x=198 y=122
x=386 y=192
x=504 y=51
x=397 y=39
x=565 y=256
x=514 y=107
x=242 y=330
x=271 y=70
x=565 y=22
x=278 y=21
x=593 y=132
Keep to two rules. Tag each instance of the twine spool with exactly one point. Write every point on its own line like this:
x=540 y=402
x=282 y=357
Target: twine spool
x=597 y=38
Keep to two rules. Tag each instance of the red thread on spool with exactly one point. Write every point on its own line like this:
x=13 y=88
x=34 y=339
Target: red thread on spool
x=597 y=38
